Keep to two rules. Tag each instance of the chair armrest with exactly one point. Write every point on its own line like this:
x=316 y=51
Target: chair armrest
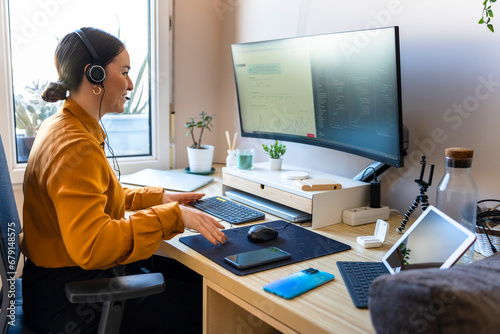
x=115 y=288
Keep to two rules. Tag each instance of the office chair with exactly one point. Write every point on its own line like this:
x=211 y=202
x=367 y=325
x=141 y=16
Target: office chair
x=11 y=316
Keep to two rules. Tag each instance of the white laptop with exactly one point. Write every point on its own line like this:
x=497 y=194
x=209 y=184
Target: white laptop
x=434 y=240
x=168 y=179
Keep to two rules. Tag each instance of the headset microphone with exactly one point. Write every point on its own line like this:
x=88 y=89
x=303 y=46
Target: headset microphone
x=127 y=98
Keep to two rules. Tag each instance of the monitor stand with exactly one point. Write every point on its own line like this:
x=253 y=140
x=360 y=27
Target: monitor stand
x=325 y=206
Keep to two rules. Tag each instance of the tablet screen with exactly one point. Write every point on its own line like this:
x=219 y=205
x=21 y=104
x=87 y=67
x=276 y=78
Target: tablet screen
x=434 y=240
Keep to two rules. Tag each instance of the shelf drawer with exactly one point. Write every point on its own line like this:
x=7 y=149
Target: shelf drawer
x=270 y=193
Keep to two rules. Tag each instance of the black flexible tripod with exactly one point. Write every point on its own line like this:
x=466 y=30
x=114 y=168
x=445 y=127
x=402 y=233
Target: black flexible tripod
x=421 y=197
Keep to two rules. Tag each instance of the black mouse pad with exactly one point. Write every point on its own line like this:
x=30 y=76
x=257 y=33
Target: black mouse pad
x=302 y=244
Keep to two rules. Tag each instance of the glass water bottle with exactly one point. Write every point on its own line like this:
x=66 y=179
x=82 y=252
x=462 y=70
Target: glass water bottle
x=457 y=192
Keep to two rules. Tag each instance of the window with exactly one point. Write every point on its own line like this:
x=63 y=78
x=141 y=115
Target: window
x=35 y=28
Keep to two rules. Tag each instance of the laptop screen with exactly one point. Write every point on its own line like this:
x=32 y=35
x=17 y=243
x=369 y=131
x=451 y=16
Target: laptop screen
x=434 y=240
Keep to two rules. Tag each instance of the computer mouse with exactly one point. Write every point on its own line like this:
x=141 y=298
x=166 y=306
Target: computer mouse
x=261 y=233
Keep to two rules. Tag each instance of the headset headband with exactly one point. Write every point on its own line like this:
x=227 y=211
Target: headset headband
x=89 y=46
x=95 y=73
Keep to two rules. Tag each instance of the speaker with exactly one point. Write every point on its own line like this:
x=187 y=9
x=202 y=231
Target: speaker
x=95 y=73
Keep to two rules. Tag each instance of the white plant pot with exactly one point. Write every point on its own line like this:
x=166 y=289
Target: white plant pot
x=200 y=160
x=275 y=164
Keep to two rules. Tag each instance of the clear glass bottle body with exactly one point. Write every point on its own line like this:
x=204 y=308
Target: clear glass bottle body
x=457 y=197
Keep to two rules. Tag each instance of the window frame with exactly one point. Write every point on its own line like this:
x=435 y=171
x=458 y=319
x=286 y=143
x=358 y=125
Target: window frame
x=161 y=94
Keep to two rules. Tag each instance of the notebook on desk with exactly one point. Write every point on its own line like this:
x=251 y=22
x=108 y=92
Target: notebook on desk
x=168 y=179
x=433 y=240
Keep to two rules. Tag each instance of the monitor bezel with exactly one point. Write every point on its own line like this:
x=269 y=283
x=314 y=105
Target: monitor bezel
x=395 y=162
x=470 y=238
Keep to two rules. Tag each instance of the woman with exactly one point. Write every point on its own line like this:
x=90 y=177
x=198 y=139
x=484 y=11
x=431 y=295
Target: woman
x=74 y=225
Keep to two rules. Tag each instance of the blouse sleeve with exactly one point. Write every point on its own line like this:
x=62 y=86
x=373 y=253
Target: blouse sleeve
x=82 y=191
x=142 y=198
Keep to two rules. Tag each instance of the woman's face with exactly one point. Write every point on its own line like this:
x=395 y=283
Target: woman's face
x=117 y=83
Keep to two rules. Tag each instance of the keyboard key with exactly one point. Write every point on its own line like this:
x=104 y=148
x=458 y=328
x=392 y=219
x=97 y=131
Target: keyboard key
x=358 y=276
x=227 y=210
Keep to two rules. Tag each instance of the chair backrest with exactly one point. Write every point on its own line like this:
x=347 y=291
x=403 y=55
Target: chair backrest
x=10 y=227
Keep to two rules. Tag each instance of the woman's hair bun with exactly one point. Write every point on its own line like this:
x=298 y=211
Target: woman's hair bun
x=55 y=91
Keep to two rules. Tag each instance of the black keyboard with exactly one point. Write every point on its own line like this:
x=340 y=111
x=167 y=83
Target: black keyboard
x=358 y=276
x=227 y=210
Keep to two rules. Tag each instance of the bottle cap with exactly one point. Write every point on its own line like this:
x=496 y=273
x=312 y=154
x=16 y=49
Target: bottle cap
x=459 y=153
x=458 y=157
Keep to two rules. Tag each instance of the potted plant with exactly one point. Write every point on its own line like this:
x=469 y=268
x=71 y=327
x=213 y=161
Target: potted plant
x=30 y=114
x=200 y=156
x=275 y=151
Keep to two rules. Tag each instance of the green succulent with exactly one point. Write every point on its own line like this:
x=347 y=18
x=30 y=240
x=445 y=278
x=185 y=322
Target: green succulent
x=276 y=150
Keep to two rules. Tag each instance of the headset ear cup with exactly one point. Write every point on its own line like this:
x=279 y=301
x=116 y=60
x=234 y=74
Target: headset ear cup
x=95 y=74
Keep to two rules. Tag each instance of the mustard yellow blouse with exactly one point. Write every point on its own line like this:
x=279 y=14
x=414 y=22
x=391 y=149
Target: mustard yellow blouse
x=74 y=205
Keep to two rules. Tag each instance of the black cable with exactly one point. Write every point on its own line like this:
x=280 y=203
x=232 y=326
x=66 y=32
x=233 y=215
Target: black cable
x=489 y=200
x=491 y=215
x=116 y=166
x=374 y=173
x=478 y=222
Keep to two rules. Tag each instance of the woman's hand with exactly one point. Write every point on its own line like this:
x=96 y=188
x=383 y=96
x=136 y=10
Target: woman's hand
x=182 y=198
x=206 y=225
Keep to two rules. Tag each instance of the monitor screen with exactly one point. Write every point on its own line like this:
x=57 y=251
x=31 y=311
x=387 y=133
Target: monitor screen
x=341 y=91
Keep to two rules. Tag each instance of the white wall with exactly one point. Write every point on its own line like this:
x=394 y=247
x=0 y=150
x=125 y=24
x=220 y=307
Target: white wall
x=450 y=75
x=197 y=42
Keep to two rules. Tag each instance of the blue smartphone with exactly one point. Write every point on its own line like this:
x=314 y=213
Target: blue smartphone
x=257 y=257
x=298 y=283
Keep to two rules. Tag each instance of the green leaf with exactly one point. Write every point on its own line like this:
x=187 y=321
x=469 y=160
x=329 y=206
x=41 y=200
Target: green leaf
x=490 y=26
x=203 y=123
x=275 y=150
x=21 y=113
x=20 y=124
x=490 y=13
x=481 y=21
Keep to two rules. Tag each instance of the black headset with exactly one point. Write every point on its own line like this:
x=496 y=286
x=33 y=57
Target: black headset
x=95 y=73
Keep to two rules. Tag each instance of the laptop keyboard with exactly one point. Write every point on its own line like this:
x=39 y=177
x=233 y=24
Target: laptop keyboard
x=358 y=276
x=232 y=212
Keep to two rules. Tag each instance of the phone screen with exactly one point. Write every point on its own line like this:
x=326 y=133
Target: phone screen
x=256 y=258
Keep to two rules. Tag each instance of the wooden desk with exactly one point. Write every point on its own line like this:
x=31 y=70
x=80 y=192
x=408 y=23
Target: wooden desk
x=235 y=304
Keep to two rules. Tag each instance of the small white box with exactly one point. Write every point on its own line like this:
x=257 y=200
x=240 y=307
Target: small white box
x=376 y=240
x=365 y=215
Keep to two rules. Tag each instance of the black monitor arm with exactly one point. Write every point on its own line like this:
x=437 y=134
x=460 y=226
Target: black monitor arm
x=376 y=169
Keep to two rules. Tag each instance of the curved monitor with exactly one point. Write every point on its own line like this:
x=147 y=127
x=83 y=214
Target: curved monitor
x=341 y=91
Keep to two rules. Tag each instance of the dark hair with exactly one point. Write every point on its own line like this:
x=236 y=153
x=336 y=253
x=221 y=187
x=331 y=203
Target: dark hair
x=71 y=57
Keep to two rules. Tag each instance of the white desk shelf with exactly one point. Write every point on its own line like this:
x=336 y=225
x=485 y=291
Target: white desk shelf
x=326 y=207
